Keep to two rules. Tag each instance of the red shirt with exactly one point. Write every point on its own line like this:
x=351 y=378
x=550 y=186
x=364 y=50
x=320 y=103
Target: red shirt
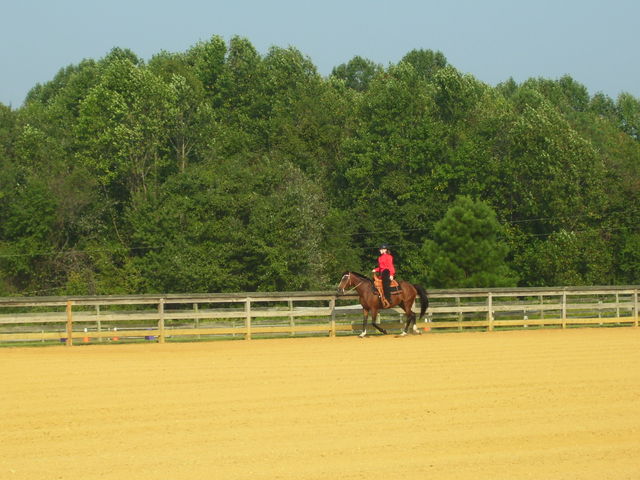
x=385 y=262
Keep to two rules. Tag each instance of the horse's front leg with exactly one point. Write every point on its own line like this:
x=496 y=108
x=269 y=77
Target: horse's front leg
x=374 y=318
x=365 y=314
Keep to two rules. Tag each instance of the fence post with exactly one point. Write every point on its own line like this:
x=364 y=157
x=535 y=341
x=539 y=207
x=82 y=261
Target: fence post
x=247 y=309
x=564 y=310
x=69 y=341
x=98 y=323
x=490 y=311
x=635 y=307
x=332 y=306
x=197 y=319
x=600 y=311
x=291 y=321
x=161 y=335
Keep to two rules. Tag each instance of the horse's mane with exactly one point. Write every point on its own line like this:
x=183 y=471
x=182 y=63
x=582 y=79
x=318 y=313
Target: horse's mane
x=360 y=276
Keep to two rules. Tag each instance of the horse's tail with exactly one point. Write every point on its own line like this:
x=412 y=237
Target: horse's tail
x=424 y=300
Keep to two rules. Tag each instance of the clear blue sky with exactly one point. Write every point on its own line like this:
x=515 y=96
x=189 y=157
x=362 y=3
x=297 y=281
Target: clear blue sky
x=594 y=41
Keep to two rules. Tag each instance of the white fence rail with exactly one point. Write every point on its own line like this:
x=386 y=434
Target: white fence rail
x=250 y=315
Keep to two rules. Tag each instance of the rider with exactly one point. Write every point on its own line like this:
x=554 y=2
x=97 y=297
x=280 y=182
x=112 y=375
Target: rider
x=386 y=270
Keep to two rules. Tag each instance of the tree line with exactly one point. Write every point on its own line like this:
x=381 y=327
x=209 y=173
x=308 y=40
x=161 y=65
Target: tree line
x=220 y=169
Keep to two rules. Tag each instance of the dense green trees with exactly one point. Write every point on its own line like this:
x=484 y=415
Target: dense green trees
x=220 y=169
x=468 y=248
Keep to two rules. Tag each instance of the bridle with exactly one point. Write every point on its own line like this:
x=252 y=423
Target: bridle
x=348 y=275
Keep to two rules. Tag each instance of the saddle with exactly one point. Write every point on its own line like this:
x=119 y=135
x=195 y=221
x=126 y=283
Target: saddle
x=394 y=289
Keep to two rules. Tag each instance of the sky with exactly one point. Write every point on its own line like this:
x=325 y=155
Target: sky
x=593 y=41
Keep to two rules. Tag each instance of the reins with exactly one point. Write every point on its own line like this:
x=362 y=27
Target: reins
x=352 y=289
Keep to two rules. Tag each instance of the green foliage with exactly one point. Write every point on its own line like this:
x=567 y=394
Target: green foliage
x=233 y=227
x=630 y=257
x=206 y=61
x=122 y=127
x=426 y=62
x=455 y=94
x=568 y=258
x=220 y=169
x=357 y=73
x=27 y=232
x=628 y=108
x=467 y=248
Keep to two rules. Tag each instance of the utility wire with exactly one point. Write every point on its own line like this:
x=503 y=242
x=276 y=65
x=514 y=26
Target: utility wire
x=359 y=234
x=71 y=252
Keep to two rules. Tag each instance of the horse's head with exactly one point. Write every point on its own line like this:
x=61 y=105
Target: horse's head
x=351 y=280
x=345 y=282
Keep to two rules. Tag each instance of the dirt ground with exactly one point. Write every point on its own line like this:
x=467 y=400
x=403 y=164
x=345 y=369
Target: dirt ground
x=546 y=404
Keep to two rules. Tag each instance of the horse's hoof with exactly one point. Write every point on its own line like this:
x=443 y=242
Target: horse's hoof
x=385 y=332
x=362 y=335
x=403 y=334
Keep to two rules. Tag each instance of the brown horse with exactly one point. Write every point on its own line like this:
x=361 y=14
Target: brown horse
x=371 y=302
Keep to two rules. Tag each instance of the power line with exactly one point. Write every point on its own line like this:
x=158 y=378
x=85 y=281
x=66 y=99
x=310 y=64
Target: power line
x=355 y=234
x=74 y=252
x=537 y=235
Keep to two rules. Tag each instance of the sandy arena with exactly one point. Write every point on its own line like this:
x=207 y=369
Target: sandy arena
x=546 y=404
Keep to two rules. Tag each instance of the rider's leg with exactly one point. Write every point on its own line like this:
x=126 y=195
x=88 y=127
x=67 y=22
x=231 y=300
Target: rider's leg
x=386 y=284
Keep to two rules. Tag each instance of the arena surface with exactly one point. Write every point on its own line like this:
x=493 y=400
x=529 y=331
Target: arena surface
x=546 y=404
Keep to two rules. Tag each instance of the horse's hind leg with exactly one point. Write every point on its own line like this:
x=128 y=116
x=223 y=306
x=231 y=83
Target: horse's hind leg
x=407 y=323
x=411 y=320
x=414 y=327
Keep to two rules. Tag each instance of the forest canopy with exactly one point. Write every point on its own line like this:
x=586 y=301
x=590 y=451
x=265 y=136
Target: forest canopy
x=220 y=169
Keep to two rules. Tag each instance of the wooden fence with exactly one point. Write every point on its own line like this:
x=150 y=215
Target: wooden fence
x=249 y=315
